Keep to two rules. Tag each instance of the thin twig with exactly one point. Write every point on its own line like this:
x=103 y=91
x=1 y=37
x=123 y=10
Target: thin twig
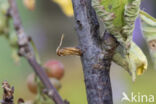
x=25 y=50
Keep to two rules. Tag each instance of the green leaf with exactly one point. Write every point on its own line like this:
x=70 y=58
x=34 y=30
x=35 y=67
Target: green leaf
x=135 y=63
x=117 y=7
x=149 y=30
x=119 y=17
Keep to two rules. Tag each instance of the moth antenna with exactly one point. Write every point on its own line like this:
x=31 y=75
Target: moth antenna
x=60 y=44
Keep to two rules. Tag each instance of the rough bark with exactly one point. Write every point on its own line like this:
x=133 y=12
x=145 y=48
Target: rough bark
x=96 y=60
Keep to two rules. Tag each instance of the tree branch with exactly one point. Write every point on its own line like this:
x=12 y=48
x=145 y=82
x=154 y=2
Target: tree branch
x=25 y=50
x=97 y=53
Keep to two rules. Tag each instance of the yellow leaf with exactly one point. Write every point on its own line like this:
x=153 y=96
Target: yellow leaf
x=30 y=4
x=66 y=6
x=135 y=63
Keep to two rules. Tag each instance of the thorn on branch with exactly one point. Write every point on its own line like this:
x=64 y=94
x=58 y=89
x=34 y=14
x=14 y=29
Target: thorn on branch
x=67 y=50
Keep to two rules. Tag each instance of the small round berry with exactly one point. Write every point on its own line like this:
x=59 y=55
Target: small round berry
x=32 y=86
x=54 y=69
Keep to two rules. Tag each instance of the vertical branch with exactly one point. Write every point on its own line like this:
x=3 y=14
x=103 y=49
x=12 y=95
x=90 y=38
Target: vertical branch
x=25 y=50
x=96 y=60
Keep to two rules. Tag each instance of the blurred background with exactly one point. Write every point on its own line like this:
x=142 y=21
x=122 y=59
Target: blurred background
x=46 y=24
